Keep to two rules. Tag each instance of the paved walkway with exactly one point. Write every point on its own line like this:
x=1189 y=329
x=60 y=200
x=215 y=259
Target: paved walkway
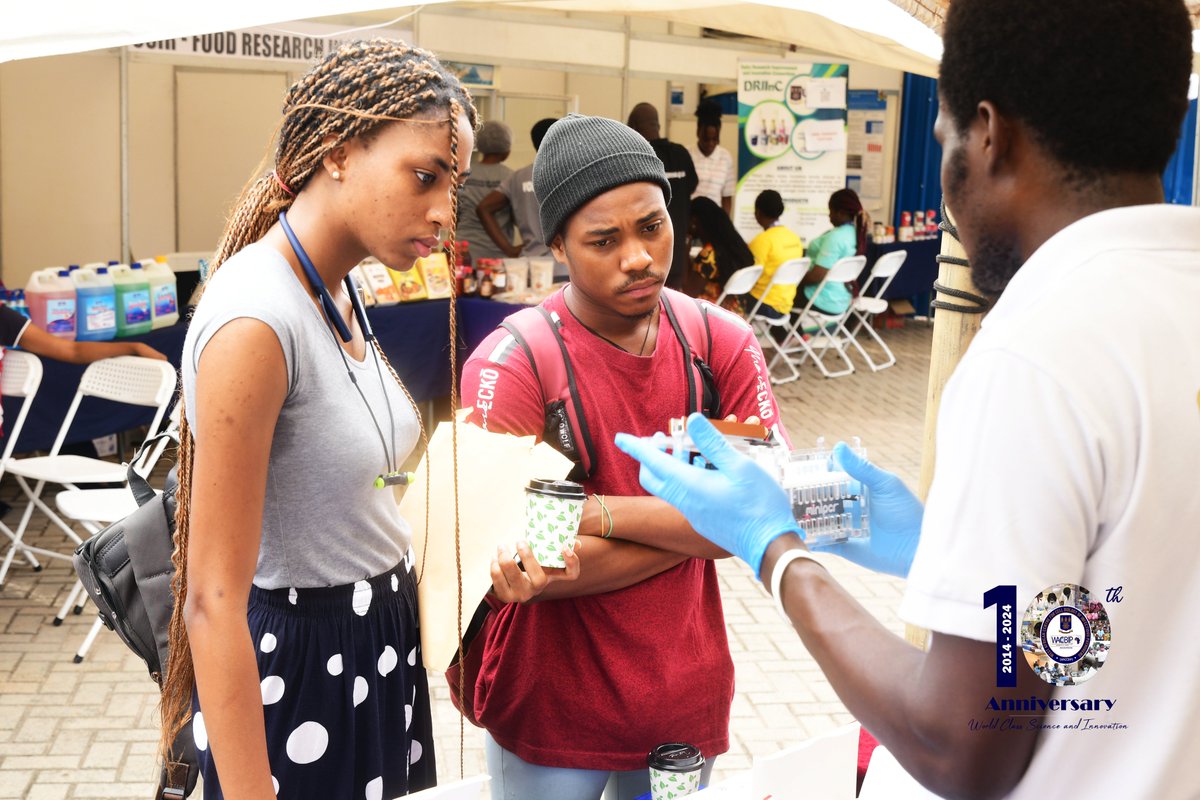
x=90 y=730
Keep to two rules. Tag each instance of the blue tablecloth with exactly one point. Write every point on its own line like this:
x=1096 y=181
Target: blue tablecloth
x=415 y=337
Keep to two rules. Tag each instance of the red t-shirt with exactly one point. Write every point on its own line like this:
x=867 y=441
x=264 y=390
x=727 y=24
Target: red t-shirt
x=596 y=682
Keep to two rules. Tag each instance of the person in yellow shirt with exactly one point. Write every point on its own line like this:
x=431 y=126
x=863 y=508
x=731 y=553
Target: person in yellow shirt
x=775 y=245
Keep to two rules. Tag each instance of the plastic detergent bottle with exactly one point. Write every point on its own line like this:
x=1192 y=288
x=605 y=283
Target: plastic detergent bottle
x=164 y=300
x=51 y=298
x=133 y=300
x=97 y=305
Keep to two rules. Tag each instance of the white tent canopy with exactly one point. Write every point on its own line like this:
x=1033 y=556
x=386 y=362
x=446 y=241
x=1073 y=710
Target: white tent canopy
x=873 y=31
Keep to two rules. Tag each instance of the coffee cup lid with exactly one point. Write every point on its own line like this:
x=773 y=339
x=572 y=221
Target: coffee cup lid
x=556 y=488
x=675 y=757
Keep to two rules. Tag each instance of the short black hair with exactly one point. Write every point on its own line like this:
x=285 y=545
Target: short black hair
x=708 y=114
x=769 y=203
x=1103 y=85
x=538 y=132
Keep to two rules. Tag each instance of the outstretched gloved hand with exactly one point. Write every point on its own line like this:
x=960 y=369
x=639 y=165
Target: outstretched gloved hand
x=895 y=514
x=738 y=506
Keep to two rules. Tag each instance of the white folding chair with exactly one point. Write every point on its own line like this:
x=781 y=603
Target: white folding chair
x=94 y=509
x=830 y=328
x=20 y=377
x=741 y=281
x=789 y=273
x=124 y=379
x=867 y=305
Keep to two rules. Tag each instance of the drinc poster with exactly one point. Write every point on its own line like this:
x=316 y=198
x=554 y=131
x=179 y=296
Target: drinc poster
x=792 y=138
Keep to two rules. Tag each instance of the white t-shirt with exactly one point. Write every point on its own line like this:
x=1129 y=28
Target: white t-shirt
x=1068 y=452
x=716 y=173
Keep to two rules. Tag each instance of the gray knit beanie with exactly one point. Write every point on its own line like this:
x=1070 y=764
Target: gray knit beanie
x=582 y=158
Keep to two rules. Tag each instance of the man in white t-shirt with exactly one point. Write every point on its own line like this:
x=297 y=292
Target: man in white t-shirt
x=714 y=165
x=1067 y=437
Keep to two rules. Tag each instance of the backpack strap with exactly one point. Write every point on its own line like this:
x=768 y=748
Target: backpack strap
x=689 y=320
x=537 y=331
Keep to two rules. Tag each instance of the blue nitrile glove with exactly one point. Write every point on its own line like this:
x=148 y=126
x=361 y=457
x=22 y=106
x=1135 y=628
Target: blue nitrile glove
x=895 y=514
x=738 y=506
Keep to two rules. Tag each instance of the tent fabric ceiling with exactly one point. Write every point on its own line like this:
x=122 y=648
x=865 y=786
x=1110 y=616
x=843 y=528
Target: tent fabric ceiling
x=874 y=31
x=901 y=34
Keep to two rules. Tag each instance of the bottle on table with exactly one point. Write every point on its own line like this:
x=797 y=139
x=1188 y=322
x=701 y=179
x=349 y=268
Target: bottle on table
x=164 y=292
x=96 y=304
x=52 y=299
x=133 y=300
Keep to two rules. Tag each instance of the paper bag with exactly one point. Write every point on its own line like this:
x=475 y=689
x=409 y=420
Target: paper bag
x=493 y=471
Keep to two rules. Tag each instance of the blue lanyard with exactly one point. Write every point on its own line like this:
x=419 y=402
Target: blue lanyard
x=328 y=307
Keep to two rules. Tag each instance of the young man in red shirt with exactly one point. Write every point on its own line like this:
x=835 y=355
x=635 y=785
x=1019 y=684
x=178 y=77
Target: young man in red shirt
x=578 y=686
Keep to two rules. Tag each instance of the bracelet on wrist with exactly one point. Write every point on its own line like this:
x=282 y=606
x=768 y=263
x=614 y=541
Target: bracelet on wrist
x=604 y=534
x=780 y=568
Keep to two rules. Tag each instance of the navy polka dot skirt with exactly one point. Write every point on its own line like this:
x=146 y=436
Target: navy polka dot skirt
x=344 y=692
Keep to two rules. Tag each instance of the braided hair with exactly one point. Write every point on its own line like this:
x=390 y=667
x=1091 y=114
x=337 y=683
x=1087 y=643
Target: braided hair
x=847 y=202
x=352 y=92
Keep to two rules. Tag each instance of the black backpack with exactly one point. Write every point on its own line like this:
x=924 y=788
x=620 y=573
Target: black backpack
x=126 y=570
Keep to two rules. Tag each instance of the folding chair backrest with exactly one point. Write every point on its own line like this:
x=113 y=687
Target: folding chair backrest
x=124 y=379
x=742 y=281
x=846 y=269
x=885 y=270
x=842 y=271
x=22 y=374
x=21 y=377
x=788 y=273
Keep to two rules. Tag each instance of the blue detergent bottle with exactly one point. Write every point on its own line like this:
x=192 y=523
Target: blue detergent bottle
x=97 y=304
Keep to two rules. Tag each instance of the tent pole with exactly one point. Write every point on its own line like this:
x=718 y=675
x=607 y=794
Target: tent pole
x=952 y=333
x=1196 y=164
x=126 y=255
x=625 y=71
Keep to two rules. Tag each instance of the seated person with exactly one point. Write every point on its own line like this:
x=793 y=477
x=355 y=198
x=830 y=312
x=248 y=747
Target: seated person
x=848 y=238
x=723 y=251
x=775 y=245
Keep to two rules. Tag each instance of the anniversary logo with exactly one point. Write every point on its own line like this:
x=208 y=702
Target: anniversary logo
x=1065 y=636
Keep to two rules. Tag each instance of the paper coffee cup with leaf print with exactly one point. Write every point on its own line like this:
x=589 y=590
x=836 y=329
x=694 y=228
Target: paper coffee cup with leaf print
x=552 y=513
x=675 y=770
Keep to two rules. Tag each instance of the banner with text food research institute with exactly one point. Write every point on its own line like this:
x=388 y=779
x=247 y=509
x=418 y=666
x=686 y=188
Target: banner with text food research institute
x=291 y=41
x=792 y=138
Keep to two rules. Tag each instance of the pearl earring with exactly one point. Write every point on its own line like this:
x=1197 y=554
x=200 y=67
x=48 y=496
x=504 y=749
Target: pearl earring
x=337 y=176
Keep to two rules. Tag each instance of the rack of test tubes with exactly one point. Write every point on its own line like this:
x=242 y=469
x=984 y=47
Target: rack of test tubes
x=829 y=505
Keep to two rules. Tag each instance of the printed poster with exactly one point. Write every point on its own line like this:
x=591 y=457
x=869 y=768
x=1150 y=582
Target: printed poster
x=867 y=113
x=792 y=138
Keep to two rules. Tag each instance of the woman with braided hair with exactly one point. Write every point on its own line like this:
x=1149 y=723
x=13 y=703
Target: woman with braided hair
x=847 y=238
x=294 y=640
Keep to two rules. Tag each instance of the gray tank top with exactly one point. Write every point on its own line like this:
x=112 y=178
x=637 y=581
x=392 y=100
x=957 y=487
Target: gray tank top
x=324 y=523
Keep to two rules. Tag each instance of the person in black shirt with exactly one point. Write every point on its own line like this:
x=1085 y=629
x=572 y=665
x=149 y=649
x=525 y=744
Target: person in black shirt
x=681 y=173
x=17 y=330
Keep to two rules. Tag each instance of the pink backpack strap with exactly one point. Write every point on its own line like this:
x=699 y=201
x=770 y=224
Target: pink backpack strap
x=537 y=331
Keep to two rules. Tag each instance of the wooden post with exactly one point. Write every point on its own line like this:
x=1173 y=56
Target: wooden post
x=952 y=333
